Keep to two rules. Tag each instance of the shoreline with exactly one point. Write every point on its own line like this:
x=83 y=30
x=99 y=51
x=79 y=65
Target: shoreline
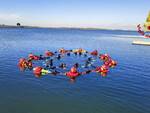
x=76 y=28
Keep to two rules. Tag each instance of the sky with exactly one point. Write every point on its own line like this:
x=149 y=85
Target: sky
x=111 y=14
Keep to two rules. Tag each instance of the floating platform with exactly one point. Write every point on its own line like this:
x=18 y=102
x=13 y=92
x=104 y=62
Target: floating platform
x=146 y=43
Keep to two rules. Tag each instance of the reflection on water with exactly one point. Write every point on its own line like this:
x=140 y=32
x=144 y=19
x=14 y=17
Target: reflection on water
x=125 y=90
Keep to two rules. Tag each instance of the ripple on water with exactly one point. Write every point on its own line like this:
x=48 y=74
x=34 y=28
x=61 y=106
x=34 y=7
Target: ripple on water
x=125 y=90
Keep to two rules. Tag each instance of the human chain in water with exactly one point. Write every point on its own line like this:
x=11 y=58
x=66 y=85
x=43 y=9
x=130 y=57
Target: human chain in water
x=81 y=62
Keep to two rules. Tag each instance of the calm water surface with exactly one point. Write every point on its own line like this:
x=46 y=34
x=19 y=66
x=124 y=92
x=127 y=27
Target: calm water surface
x=125 y=90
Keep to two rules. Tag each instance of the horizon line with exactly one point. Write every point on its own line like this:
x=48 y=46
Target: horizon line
x=67 y=27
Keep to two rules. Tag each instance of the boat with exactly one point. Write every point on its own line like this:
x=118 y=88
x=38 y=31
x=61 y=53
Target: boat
x=147 y=24
x=145 y=33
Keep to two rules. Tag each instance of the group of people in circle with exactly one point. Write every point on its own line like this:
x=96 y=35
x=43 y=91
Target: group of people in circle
x=49 y=68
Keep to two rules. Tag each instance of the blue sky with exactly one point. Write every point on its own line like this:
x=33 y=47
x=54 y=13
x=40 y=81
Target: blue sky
x=120 y=14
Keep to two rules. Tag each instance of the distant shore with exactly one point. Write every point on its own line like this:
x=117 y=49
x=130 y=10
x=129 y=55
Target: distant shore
x=80 y=28
x=13 y=26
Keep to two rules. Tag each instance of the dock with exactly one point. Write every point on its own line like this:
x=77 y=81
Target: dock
x=146 y=43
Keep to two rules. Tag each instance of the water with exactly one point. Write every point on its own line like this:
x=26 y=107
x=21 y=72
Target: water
x=125 y=90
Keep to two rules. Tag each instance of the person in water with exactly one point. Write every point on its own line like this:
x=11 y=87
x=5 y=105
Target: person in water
x=85 y=55
x=49 y=53
x=39 y=71
x=110 y=63
x=90 y=59
x=30 y=65
x=88 y=63
x=23 y=64
x=80 y=54
x=58 y=57
x=94 y=53
x=41 y=57
x=76 y=65
x=75 y=53
x=80 y=50
x=103 y=70
x=68 y=54
x=47 y=63
x=33 y=57
x=62 y=51
x=51 y=62
x=63 y=66
x=73 y=73
x=104 y=57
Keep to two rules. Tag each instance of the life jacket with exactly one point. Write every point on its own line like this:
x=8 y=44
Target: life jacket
x=107 y=63
x=37 y=71
x=104 y=57
x=48 y=53
x=62 y=51
x=29 y=64
x=36 y=58
x=95 y=53
x=22 y=60
x=72 y=74
x=22 y=63
x=33 y=57
x=110 y=63
x=102 y=68
x=80 y=50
